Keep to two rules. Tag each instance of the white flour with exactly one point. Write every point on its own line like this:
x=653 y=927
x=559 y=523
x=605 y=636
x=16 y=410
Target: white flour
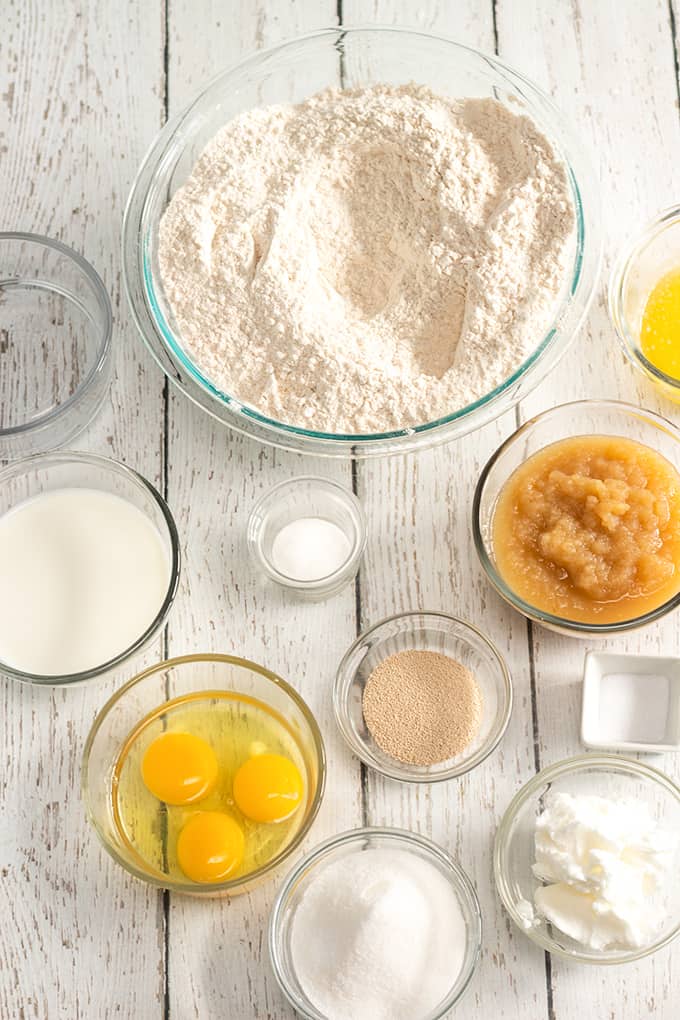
x=369 y=259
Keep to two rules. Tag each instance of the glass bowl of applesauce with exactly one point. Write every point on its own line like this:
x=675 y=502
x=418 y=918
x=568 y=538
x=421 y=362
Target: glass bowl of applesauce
x=576 y=518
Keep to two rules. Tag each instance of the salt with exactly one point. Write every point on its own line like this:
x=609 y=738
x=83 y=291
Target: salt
x=309 y=549
x=631 y=702
x=633 y=707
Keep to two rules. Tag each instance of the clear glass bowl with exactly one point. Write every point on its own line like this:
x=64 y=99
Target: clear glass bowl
x=434 y=632
x=606 y=775
x=362 y=841
x=653 y=253
x=308 y=496
x=171 y=679
x=66 y=469
x=291 y=72
x=580 y=418
x=55 y=344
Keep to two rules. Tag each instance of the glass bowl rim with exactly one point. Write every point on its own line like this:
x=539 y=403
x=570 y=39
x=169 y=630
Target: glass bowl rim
x=617 y=284
x=568 y=766
x=277 y=431
x=115 y=467
x=105 y=331
x=208 y=888
x=405 y=839
x=254 y=528
x=532 y=612
x=402 y=772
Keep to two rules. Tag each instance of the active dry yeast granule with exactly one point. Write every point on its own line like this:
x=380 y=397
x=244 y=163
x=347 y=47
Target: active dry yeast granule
x=422 y=707
x=370 y=259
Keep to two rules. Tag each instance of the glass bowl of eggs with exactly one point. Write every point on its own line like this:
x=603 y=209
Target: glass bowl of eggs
x=203 y=774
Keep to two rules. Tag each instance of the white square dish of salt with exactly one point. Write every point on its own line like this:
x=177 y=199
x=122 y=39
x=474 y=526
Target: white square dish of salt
x=631 y=702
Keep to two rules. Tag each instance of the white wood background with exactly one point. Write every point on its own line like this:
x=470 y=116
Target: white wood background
x=83 y=90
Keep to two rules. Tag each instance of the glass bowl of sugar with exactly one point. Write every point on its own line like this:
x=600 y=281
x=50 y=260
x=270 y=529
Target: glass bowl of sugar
x=375 y=922
x=308 y=535
x=422 y=697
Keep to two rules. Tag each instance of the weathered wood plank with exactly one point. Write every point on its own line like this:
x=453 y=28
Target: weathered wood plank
x=80 y=95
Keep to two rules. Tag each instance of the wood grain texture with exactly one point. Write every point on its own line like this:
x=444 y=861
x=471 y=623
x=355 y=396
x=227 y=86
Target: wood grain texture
x=79 y=98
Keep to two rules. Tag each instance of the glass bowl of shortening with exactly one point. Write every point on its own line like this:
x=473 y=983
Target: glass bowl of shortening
x=586 y=858
x=360 y=242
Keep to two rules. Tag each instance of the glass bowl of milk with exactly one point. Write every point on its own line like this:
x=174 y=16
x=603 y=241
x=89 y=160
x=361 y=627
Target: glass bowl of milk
x=90 y=566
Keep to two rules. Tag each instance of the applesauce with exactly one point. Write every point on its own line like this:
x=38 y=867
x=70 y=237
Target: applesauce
x=588 y=529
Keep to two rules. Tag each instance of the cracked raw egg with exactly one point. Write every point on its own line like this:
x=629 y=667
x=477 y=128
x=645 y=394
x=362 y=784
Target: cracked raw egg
x=179 y=768
x=210 y=847
x=268 y=788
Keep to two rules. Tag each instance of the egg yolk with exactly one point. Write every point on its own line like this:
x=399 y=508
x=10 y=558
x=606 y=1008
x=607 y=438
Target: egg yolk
x=210 y=846
x=660 y=332
x=179 y=768
x=268 y=788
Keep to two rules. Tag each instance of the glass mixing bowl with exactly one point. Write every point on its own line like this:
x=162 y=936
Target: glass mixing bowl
x=291 y=72
x=655 y=252
x=580 y=418
x=48 y=472
x=606 y=775
x=141 y=696
x=431 y=632
x=55 y=343
x=361 y=841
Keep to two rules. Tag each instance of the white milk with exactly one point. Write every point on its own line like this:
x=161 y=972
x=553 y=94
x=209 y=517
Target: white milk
x=82 y=575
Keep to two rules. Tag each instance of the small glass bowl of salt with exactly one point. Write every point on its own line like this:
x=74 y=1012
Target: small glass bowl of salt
x=308 y=535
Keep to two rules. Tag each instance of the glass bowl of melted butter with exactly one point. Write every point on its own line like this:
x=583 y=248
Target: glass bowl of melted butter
x=644 y=302
x=203 y=774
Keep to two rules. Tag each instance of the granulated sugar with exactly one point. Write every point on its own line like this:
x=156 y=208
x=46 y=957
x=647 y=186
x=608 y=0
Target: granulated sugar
x=422 y=707
x=377 y=935
x=369 y=259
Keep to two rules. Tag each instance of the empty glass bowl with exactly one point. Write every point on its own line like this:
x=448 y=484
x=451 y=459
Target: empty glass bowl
x=187 y=675
x=433 y=632
x=655 y=252
x=580 y=418
x=359 y=841
x=55 y=344
x=291 y=72
x=605 y=775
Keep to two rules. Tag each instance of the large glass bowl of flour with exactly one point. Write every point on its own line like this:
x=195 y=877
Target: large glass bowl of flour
x=291 y=73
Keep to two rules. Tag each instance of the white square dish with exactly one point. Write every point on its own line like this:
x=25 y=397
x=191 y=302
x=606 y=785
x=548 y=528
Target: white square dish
x=631 y=702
